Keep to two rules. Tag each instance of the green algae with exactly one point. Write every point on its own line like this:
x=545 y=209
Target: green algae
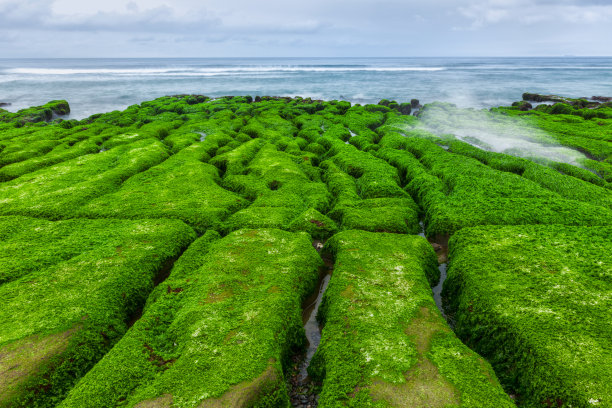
x=71 y=294
x=535 y=301
x=384 y=343
x=280 y=187
x=456 y=191
x=36 y=114
x=219 y=329
x=58 y=191
x=180 y=187
x=367 y=193
x=288 y=163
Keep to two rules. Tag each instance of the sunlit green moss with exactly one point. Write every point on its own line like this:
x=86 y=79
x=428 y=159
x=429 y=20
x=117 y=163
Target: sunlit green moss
x=70 y=289
x=219 y=330
x=384 y=343
x=535 y=301
x=58 y=191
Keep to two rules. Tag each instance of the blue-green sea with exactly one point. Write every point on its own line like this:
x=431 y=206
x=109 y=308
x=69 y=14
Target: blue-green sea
x=101 y=85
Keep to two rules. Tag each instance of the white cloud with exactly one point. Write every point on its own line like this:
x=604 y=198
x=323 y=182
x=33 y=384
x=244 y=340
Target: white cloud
x=484 y=13
x=313 y=28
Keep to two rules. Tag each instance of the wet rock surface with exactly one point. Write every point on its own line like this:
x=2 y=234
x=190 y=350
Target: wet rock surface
x=303 y=394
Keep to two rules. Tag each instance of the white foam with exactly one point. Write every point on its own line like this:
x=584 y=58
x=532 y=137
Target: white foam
x=498 y=132
x=533 y=67
x=76 y=71
x=209 y=71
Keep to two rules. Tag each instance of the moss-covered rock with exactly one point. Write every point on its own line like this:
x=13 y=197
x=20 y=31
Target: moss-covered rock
x=316 y=224
x=69 y=291
x=384 y=343
x=217 y=333
x=534 y=300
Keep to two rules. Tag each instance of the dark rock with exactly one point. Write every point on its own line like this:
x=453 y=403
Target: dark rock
x=523 y=105
x=533 y=97
x=414 y=103
x=384 y=102
x=405 y=108
x=2 y=104
x=583 y=103
x=594 y=98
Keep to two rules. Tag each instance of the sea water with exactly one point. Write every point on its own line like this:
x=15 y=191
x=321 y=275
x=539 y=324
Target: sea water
x=102 y=85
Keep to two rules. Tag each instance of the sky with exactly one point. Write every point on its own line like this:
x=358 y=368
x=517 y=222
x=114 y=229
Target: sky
x=313 y=28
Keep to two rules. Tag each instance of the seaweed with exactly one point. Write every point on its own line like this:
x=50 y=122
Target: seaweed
x=218 y=332
x=384 y=343
x=69 y=294
x=534 y=300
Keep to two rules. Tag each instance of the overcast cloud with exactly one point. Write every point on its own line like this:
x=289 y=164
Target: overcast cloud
x=236 y=28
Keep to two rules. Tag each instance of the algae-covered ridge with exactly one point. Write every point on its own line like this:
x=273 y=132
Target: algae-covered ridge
x=218 y=332
x=536 y=301
x=159 y=256
x=384 y=342
x=69 y=291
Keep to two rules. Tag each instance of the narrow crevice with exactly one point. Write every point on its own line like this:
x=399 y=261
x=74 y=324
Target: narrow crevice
x=440 y=246
x=161 y=275
x=304 y=392
x=422 y=233
x=437 y=292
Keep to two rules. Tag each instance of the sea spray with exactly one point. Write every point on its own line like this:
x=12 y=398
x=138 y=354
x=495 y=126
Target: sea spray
x=495 y=132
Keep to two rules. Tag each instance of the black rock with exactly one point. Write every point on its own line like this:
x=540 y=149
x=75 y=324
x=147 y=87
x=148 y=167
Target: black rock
x=533 y=97
x=2 y=104
x=414 y=103
x=523 y=105
x=405 y=108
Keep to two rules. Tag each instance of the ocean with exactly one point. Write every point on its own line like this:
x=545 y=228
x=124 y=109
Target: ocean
x=102 y=85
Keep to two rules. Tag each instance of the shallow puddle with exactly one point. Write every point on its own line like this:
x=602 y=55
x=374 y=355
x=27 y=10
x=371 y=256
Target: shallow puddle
x=422 y=233
x=437 y=290
x=303 y=392
x=311 y=327
x=309 y=314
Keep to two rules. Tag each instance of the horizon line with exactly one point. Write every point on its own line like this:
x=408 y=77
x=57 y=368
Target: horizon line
x=318 y=57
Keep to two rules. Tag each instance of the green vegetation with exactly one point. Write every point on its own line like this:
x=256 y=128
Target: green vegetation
x=181 y=187
x=456 y=191
x=69 y=291
x=384 y=342
x=367 y=191
x=585 y=126
x=281 y=187
x=35 y=114
x=218 y=332
x=58 y=191
x=116 y=197
x=535 y=301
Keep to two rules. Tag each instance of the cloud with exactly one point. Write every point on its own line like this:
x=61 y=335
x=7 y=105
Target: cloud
x=18 y=14
x=38 y=15
x=313 y=28
x=485 y=13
